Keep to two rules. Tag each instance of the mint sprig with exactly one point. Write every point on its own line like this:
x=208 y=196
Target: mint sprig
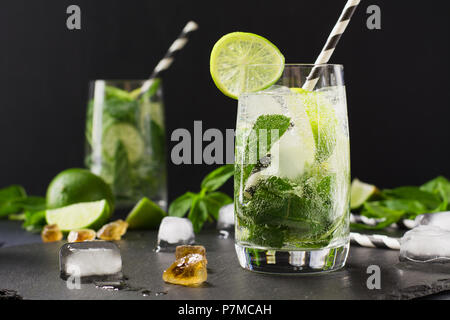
x=204 y=205
x=17 y=205
x=393 y=205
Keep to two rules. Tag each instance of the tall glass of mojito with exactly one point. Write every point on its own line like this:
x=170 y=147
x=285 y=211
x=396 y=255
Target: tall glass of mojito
x=126 y=140
x=292 y=171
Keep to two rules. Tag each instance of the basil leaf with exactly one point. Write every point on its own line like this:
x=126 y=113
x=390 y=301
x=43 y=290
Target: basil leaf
x=181 y=205
x=218 y=177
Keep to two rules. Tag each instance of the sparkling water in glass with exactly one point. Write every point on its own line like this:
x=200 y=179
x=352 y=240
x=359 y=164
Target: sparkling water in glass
x=292 y=173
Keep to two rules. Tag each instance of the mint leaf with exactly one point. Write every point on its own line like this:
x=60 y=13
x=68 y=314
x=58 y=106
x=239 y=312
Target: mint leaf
x=278 y=211
x=198 y=213
x=379 y=211
x=214 y=201
x=34 y=221
x=31 y=203
x=253 y=143
x=439 y=186
x=180 y=206
x=218 y=177
x=122 y=182
x=8 y=196
x=429 y=200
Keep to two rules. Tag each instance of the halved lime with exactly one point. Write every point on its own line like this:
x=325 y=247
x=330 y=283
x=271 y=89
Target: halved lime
x=233 y=52
x=85 y=215
x=145 y=215
x=130 y=138
x=77 y=185
x=360 y=192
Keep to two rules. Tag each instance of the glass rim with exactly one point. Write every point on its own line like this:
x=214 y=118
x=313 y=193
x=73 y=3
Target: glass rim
x=310 y=65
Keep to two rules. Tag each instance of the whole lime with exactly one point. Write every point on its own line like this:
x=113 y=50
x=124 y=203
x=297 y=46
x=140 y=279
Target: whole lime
x=77 y=185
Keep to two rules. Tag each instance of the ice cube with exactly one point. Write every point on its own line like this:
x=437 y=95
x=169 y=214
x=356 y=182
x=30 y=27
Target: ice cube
x=439 y=219
x=189 y=270
x=226 y=217
x=92 y=260
x=174 y=231
x=253 y=105
x=425 y=243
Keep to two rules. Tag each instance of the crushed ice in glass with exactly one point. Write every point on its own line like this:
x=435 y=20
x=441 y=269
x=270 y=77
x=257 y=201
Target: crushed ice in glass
x=91 y=261
x=425 y=243
x=174 y=231
x=189 y=268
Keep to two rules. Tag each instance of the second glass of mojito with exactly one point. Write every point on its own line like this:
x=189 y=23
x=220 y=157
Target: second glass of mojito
x=292 y=172
x=126 y=140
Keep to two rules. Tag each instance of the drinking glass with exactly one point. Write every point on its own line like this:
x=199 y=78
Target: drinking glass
x=126 y=140
x=292 y=172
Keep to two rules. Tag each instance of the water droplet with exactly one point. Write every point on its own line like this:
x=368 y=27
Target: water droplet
x=223 y=234
x=146 y=293
x=162 y=293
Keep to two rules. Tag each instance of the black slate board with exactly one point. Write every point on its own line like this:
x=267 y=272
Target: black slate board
x=32 y=271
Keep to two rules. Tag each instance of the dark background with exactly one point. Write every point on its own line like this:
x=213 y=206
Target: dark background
x=397 y=78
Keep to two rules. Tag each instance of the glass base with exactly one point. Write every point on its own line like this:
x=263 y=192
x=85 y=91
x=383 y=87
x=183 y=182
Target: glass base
x=292 y=262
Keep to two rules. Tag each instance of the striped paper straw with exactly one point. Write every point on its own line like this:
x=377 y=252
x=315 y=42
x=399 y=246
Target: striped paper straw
x=331 y=43
x=375 y=241
x=165 y=63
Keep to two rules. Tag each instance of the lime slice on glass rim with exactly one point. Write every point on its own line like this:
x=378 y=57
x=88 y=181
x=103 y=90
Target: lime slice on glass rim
x=360 y=192
x=85 y=215
x=233 y=52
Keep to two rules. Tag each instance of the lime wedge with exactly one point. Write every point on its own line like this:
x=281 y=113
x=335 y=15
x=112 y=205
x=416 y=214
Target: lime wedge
x=145 y=215
x=130 y=138
x=322 y=117
x=85 y=215
x=360 y=192
x=233 y=52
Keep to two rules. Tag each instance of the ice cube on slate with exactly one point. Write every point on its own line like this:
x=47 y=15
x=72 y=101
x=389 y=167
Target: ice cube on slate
x=226 y=217
x=438 y=219
x=92 y=260
x=425 y=244
x=175 y=231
